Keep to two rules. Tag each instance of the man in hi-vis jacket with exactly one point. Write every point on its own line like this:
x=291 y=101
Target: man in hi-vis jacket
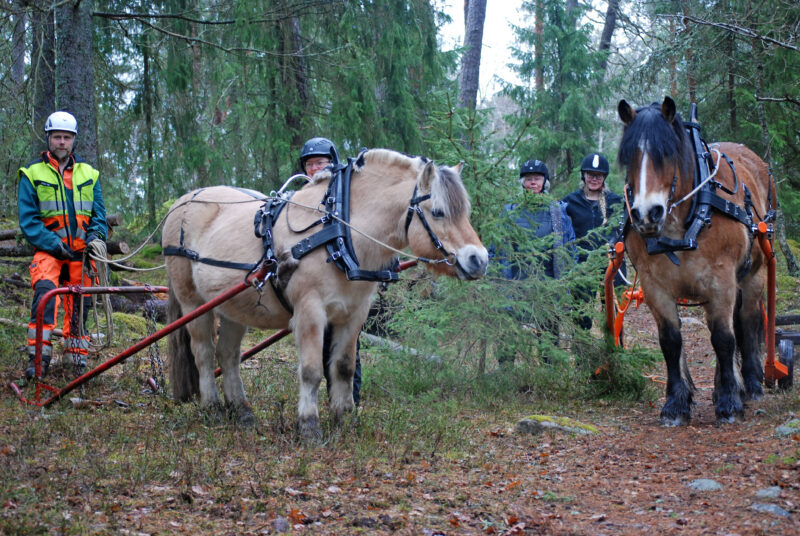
x=61 y=211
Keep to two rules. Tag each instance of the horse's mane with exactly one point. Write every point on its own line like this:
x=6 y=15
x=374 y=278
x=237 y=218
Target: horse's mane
x=651 y=133
x=447 y=194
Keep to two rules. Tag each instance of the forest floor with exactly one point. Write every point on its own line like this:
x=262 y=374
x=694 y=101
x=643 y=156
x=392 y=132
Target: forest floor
x=149 y=468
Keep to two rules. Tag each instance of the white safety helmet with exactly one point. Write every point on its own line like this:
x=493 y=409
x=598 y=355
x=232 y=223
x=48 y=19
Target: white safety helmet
x=63 y=121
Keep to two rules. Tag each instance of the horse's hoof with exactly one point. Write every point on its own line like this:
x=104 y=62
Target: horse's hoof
x=310 y=432
x=671 y=422
x=242 y=415
x=721 y=421
x=214 y=415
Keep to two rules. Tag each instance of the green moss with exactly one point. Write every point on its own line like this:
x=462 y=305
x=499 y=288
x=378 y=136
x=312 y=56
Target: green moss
x=563 y=421
x=133 y=326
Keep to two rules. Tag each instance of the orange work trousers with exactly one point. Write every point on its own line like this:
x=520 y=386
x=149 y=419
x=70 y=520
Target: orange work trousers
x=47 y=273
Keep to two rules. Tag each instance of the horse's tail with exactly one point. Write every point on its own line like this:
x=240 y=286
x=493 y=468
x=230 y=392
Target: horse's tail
x=183 y=375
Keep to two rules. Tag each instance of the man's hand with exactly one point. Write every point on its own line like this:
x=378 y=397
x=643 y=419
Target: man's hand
x=64 y=252
x=91 y=237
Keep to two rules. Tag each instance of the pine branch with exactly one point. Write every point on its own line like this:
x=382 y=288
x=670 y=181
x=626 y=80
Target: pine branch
x=746 y=32
x=787 y=98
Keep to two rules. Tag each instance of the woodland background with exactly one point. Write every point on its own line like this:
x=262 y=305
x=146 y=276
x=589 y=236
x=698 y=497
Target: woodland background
x=175 y=94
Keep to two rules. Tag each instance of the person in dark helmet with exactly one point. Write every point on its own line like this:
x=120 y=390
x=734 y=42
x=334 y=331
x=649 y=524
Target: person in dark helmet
x=534 y=177
x=316 y=155
x=61 y=213
x=591 y=206
x=534 y=218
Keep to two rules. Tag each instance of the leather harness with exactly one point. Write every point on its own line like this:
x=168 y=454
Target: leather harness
x=334 y=235
x=704 y=203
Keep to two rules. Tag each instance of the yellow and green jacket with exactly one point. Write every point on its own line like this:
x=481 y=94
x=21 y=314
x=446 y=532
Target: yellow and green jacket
x=50 y=212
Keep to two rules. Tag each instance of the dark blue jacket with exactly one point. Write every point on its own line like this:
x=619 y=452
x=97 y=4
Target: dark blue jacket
x=549 y=220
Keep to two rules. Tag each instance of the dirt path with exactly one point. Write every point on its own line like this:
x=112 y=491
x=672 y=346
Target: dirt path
x=633 y=478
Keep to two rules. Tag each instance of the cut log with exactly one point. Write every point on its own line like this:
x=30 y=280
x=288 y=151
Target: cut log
x=9 y=234
x=114 y=248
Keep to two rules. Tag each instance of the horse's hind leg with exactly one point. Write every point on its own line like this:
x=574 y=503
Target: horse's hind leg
x=748 y=326
x=228 y=355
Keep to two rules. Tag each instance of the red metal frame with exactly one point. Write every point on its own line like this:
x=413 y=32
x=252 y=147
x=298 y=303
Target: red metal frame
x=78 y=290
x=773 y=369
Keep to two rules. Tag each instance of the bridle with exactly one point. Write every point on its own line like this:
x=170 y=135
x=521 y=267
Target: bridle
x=448 y=258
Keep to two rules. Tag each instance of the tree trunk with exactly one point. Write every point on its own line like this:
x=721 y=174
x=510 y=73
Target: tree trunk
x=25 y=250
x=471 y=62
x=43 y=74
x=690 y=80
x=150 y=193
x=538 y=50
x=608 y=31
x=18 y=46
x=75 y=80
x=295 y=74
x=732 y=84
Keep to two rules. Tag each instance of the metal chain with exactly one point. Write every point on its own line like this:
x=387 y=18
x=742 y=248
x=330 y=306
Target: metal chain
x=153 y=353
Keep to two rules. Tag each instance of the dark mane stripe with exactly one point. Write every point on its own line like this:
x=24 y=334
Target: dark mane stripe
x=660 y=139
x=451 y=191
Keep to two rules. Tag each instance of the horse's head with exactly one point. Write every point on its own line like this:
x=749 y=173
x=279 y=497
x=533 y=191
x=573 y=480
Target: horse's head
x=442 y=215
x=654 y=153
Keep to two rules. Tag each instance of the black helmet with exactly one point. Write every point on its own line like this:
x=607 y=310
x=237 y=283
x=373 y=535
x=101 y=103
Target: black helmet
x=595 y=162
x=534 y=166
x=318 y=147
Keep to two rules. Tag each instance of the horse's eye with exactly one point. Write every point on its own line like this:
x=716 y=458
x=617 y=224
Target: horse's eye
x=437 y=213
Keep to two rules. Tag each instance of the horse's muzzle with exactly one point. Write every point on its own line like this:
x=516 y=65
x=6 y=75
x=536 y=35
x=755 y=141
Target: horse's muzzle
x=471 y=262
x=648 y=221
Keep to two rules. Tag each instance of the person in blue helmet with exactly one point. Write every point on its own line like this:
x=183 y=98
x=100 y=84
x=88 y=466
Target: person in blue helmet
x=538 y=220
x=316 y=155
x=534 y=177
x=591 y=206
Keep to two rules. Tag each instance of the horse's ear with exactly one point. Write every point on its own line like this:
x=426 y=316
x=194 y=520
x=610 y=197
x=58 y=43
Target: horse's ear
x=427 y=177
x=458 y=167
x=626 y=113
x=668 y=109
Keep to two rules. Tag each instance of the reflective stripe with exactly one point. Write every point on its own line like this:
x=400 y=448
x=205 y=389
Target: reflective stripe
x=47 y=350
x=80 y=233
x=52 y=206
x=62 y=233
x=85 y=206
x=76 y=359
x=45 y=334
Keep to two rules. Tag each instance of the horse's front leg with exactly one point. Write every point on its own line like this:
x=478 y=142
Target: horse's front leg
x=228 y=355
x=749 y=330
x=677 y=407
x=201 y=331
x=341 y=368
x=728 y=388
x=308 y=329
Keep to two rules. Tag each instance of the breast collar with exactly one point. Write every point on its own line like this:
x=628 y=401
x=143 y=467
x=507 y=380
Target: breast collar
x=335 y=233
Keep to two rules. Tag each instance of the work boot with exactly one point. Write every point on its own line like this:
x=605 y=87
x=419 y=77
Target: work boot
x=30 y=372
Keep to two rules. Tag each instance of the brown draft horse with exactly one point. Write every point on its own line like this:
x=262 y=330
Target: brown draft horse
x=725 y=273
x=217 y=223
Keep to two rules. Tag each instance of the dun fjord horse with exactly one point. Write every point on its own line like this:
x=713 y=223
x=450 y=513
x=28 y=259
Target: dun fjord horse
x=217 y=223
x=725 y=273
